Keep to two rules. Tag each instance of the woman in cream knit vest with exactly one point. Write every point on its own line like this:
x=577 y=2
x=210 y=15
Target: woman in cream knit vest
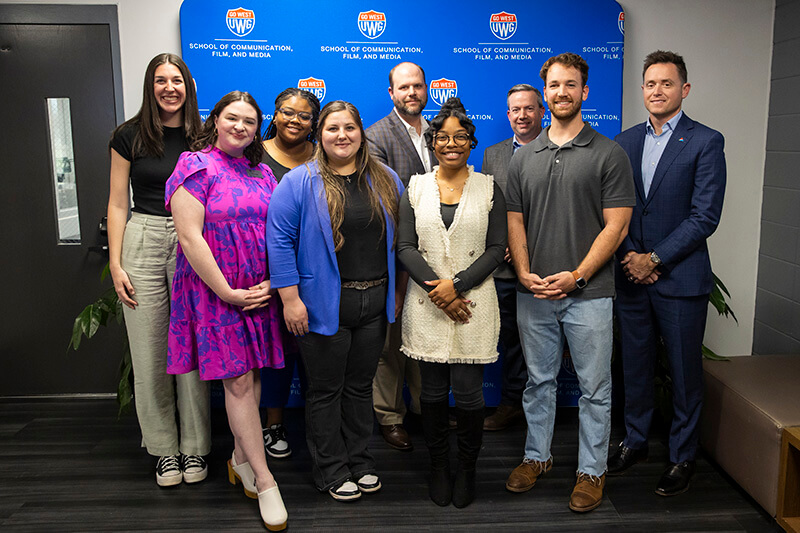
x=451 y=237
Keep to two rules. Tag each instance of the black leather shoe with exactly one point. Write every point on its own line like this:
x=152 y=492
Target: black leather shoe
x=624 y=458
x=675 y=479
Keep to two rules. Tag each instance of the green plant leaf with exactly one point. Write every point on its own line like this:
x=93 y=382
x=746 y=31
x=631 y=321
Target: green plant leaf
x=75 y=341
x=106 y=272
x=708 y=353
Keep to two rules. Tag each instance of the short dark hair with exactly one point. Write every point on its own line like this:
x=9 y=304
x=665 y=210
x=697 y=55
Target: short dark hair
x=662 y=56
x=451 y=108
x=567 y=59
x=524 y=88
x=391 y=72
x=284 y=95
x=208 y=135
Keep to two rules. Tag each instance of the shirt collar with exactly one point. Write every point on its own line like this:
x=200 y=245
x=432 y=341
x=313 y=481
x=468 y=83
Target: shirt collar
x=670 y=125
x=583 y=138
x=408 y=126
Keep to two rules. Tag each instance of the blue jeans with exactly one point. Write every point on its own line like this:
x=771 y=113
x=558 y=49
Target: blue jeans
x=587 y=327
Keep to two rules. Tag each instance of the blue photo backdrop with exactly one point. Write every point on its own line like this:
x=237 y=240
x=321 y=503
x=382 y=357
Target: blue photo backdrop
x=474 y=49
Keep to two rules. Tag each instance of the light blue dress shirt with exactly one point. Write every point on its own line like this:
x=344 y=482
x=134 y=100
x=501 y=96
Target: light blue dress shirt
x=654 y=146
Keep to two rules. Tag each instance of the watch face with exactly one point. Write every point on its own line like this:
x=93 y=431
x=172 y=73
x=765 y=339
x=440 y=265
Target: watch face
x=580 y=283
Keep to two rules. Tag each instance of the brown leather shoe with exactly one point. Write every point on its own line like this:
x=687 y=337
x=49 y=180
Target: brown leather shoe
x=523 y=477
x=397 y=437
x=505 y=416
x=588 y=492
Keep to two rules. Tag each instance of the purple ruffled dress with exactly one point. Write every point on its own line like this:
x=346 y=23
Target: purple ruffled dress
x=205 y=333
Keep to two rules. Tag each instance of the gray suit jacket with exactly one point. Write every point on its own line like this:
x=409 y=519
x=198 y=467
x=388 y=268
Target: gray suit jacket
x=496 y=159
x=390 y=144
x=495 y=163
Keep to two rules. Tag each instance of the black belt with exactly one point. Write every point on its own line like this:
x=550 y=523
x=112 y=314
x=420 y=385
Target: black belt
x=363 y=285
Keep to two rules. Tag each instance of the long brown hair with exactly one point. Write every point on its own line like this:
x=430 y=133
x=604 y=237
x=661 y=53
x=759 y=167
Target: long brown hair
x=149 y=138
x=383 y=189
x=208 y=136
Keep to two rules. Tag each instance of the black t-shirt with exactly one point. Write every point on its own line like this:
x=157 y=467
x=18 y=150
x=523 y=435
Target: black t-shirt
x=278 y=170
x=149 y=174
x=363 y=255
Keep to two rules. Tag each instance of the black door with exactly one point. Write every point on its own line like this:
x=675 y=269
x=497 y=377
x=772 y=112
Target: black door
x=53 y=201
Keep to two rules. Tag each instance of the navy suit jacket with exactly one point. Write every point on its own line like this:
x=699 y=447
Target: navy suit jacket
x=682 y=208
x=390 y=143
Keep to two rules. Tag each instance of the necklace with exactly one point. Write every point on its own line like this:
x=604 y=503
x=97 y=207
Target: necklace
x=446 y=186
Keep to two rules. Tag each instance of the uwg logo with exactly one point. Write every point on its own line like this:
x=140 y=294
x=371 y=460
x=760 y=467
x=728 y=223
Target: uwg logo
x=241 y=21
x=621 y=22
x=314 y=86
x=371 y=24
x=503 y=25
x=442 y=89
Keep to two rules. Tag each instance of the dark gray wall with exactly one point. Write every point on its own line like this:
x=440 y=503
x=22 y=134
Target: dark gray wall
x=777 y=318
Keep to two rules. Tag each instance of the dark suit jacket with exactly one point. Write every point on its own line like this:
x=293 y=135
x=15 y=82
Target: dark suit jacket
x=682 y=209
x=390 y=143
x=495 y=161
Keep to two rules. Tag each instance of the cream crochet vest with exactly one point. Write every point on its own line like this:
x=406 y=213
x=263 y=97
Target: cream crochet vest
x=428 y=333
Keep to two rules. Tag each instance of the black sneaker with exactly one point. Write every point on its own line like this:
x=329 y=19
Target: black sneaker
x=194 y=468
x=275 y=442
x=168 y=471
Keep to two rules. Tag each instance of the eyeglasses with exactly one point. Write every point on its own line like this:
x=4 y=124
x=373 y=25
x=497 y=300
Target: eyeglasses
x=291 y=113
x=459 y=139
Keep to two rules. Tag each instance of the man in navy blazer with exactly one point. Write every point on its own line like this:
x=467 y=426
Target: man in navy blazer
x=664 y=277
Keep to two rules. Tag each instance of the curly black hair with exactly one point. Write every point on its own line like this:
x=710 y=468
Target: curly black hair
x=451 y=108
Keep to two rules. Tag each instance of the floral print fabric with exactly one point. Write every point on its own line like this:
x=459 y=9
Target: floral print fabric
x=206 y=333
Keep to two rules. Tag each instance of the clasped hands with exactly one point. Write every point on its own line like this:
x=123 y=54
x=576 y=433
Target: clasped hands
x=639 y=269
x=553 y=287
x=252 y=298
x=446 y=298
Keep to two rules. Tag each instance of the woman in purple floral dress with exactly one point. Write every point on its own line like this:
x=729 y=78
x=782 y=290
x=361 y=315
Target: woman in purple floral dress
x=221 y=321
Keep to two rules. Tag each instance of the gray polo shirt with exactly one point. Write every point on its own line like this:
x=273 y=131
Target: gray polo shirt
x=561 y=192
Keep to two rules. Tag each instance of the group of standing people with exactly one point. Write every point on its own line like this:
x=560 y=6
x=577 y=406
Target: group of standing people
x=381 y=255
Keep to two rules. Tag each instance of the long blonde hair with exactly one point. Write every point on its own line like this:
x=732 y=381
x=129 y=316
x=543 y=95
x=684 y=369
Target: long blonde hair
x=383 y=193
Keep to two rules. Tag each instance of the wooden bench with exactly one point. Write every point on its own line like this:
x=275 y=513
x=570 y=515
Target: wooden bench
x=749 y=404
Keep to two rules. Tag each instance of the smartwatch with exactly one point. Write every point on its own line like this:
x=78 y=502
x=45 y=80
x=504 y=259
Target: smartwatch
x=579 y=281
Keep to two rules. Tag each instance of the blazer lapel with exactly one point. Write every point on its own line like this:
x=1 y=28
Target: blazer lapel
x=400 y=133
x=636 y=162
x=324 y=217
x=677 y=142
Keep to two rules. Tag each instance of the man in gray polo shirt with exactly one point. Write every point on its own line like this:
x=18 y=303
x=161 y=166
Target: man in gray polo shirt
x=570 y=196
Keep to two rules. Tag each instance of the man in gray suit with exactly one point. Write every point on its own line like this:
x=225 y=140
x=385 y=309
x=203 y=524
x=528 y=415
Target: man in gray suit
x=525 y=111
x=398 y=141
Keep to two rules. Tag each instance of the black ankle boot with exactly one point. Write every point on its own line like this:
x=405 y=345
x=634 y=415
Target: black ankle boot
x=470 y=437
x=435 y=427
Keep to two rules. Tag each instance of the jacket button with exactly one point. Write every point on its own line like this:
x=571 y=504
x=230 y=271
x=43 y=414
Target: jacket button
x=472 y=304
x=644 y=212
x=471 y=253
x=421 y=301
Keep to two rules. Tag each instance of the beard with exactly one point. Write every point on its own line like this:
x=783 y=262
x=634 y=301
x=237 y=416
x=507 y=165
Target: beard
x=566 y=114
x=405 y=110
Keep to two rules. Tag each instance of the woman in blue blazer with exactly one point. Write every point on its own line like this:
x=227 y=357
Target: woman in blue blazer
x=330 y=239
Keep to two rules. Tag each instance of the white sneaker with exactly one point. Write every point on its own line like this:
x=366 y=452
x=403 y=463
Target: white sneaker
x=168 y=471
x=345 y=492
x=275 y=443
x=369 y=483
x=194 y=468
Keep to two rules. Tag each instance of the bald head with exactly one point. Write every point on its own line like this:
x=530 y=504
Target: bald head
x=405 y=69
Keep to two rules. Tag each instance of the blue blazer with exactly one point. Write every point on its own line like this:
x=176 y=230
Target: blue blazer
x=301 y=250
x=682 y=209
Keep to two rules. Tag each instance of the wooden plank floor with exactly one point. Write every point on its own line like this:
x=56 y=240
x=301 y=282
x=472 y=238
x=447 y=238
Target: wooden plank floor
x=71 y=465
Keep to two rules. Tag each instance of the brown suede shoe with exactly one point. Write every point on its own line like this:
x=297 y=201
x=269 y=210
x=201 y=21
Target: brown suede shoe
x=505 y=416
x=588 y=492
x=523 y=477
